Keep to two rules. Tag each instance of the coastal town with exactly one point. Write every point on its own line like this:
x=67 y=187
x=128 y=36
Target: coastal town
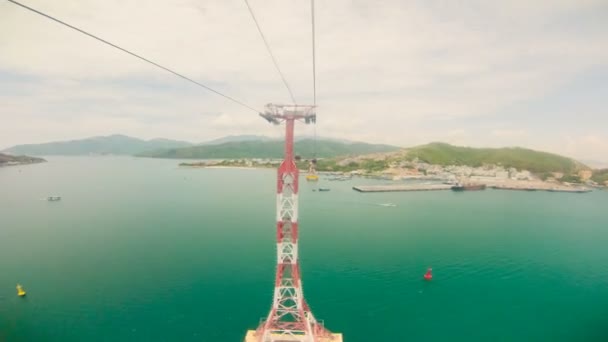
x=439 y=177
x=494 y=176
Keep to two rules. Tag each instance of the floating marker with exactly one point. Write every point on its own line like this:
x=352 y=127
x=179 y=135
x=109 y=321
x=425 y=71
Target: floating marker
x=429 y=274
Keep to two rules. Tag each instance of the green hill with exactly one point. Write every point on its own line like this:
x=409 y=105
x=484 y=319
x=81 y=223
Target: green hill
x=269 y=149
x=519 y=158
x=600 y=176
x=113 y=144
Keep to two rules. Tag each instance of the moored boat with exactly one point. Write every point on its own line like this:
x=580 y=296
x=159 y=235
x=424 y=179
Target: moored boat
x=468 y=187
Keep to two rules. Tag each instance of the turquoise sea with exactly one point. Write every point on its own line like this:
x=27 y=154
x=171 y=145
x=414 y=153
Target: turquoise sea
x=141 y=250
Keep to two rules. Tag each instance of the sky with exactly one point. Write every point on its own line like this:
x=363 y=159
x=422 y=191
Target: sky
x=475 y=73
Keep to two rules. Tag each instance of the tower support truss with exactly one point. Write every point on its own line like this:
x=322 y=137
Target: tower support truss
x=290 y=318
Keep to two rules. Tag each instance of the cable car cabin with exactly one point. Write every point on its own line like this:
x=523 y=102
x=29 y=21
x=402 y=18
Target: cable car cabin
x=312 y=178
x=312 y=173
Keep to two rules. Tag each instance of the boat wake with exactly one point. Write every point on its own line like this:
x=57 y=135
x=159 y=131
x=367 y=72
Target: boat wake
x=51 y=198
x=374 y=204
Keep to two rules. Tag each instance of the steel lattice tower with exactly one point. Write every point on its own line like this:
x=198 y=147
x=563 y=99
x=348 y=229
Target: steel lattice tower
x=290 y=318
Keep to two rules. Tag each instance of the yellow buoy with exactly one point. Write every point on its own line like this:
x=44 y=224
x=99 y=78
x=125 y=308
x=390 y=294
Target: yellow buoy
x=20 y=291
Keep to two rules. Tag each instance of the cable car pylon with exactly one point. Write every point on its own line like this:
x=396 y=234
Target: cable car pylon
x=290 y=317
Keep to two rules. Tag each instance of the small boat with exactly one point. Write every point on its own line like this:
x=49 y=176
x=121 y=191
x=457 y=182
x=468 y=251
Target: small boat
x=388 y=204
x=323 y=189
x=53 y=198
x=20 y=291
x=429 y=274
x=468 y=187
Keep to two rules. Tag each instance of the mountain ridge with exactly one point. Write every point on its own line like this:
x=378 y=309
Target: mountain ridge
x=121 y=144
x=259 y=146
x=518 y=157
x=307 y=148
x=542 y=164
x=111 y=144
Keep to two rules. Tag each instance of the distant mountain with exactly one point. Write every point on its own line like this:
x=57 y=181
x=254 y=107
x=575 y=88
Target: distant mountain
x=596 y=164
x=517 y=157
x=269 y=149
x=113 y=144
x=311 y=137
x=7 y=159
x=237 y=138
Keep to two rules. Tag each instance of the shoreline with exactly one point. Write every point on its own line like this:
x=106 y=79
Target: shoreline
x=443 y=187
x=223 y=167
x=12 y=160
x=21 y=163
x=498 y=184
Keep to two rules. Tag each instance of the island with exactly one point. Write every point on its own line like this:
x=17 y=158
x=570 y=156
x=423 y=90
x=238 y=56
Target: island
x=9 y=160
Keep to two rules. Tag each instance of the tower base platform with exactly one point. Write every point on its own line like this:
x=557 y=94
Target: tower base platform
x=252 y=337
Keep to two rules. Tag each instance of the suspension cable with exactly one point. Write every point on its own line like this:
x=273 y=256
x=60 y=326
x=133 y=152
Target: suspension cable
x=134 y=55
x=274 y=60
x=314 y=77
x=314 y=66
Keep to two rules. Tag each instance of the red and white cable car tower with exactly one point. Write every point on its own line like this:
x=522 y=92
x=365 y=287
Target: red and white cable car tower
x=290 y=318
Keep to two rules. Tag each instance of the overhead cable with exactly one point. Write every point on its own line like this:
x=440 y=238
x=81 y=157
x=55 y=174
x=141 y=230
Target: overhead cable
x=274 y=60
x=314 y=64
x=134 y=55
x=314 y=75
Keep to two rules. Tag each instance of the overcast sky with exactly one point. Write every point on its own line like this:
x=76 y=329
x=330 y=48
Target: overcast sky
x=478 y=73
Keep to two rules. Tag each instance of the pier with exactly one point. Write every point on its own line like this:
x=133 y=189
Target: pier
x=541 y=188
x=401 y=187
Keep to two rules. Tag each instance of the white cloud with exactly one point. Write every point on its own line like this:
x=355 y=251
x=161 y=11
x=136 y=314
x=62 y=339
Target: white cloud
x=384 y=68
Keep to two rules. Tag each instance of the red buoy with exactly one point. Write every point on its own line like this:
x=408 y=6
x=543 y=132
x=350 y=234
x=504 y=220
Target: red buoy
x=428 y=275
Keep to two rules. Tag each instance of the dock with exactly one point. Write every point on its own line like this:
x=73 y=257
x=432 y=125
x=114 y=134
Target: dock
x=253 y=337
x=401 y=187
x=541 y=188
